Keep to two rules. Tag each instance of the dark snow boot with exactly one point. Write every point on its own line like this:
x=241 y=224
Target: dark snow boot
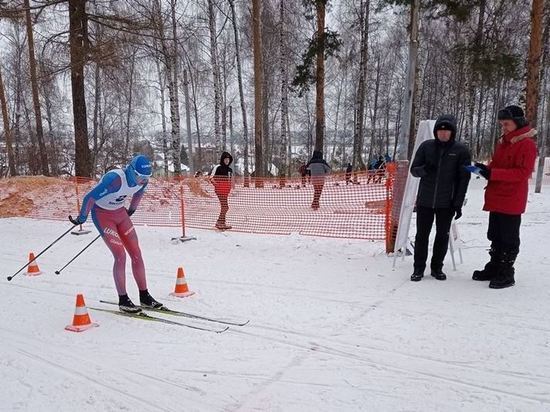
x=505 y=276
x=491 y=268
x=126 y=305
x=417 y=275
x=437 y=271
x=147 y=301
x=438 y=274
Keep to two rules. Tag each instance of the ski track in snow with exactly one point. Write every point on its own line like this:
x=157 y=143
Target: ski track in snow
x=309 y=351
x=332 y=326
x=313 y=346
x=112 y=384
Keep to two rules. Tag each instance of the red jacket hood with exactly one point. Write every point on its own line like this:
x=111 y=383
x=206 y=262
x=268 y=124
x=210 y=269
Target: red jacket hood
x=518 y=135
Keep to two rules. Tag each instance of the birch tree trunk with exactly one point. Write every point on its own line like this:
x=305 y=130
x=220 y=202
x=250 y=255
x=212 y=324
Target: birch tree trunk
x=188 y=121
x=258 y=92
x=174 y=100
x=215 y=71
x=358 y=137
x=162 y=86
x=241 y=91
x=35 y=94
x=7 y=130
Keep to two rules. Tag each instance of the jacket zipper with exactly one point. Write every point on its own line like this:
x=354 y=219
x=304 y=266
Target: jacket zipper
x=437 y=177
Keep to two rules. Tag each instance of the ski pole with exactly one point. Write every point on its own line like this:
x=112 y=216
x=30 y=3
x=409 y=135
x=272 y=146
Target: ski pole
x=57 y=272
x=40 y=254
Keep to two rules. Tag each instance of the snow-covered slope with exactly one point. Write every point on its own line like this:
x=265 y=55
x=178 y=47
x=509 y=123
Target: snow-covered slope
x=332 y=326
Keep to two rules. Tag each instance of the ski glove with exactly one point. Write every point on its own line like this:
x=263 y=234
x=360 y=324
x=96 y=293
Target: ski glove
x=130 y=212
x=458 y=213
x=79 y=220
x=483 y=170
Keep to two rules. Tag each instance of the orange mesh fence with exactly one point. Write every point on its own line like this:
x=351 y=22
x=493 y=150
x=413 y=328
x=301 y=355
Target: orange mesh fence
x=359 y=208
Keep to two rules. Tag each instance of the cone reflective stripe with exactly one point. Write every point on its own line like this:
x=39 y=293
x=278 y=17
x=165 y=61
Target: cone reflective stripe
x=181 y=290
x=33 y=269
x=81 y=319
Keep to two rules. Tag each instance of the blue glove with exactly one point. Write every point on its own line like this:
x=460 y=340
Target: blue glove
x=473 y=169
x=130 y=212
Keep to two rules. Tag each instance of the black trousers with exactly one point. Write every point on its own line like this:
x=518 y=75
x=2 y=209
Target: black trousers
x=503 y=232
x=224 y=207
x=424 y=222
x=317 y=191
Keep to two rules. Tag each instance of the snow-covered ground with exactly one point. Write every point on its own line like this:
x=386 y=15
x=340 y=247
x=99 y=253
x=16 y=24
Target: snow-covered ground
x=332 y=326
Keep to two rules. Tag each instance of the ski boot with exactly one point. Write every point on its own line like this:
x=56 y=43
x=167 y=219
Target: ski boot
x=147 y=301
x=126 y=305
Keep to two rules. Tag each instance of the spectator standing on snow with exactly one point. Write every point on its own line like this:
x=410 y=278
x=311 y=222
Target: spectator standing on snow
x=318 y=169
x=440 y=164
x=506 y=195
x=349 y=169
x=220 y=177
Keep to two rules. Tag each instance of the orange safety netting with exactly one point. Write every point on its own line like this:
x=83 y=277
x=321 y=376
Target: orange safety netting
x=359 y=209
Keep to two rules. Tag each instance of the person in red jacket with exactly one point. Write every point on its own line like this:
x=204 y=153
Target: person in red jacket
x=507 y=177
x=221 y=179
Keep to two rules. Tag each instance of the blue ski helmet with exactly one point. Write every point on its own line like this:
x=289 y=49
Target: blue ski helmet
x=142 y=166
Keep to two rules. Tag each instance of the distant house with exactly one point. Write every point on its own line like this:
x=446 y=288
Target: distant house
x=158 y=166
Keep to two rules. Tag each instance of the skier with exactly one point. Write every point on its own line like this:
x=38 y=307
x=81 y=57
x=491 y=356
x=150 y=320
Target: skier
x=106 y=203
x=318 y=169
x=506 y=195
x=440 y=164
x=221 y=179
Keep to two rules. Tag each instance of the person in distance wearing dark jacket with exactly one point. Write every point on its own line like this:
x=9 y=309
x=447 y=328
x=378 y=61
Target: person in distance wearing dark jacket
x=318 y=168
x=440 y=164
x=221 y=177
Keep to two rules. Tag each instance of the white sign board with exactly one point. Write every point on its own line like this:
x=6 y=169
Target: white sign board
x=425 y=132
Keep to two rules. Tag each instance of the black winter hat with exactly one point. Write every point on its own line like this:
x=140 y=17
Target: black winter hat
x=514 y=113
x=446 y=122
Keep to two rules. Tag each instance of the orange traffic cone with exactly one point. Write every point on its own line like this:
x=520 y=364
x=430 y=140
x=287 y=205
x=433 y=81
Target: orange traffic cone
x=33 y=269
x=181 y=290
x=81 y=319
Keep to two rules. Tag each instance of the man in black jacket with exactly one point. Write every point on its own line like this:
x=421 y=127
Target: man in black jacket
x=440 y=165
